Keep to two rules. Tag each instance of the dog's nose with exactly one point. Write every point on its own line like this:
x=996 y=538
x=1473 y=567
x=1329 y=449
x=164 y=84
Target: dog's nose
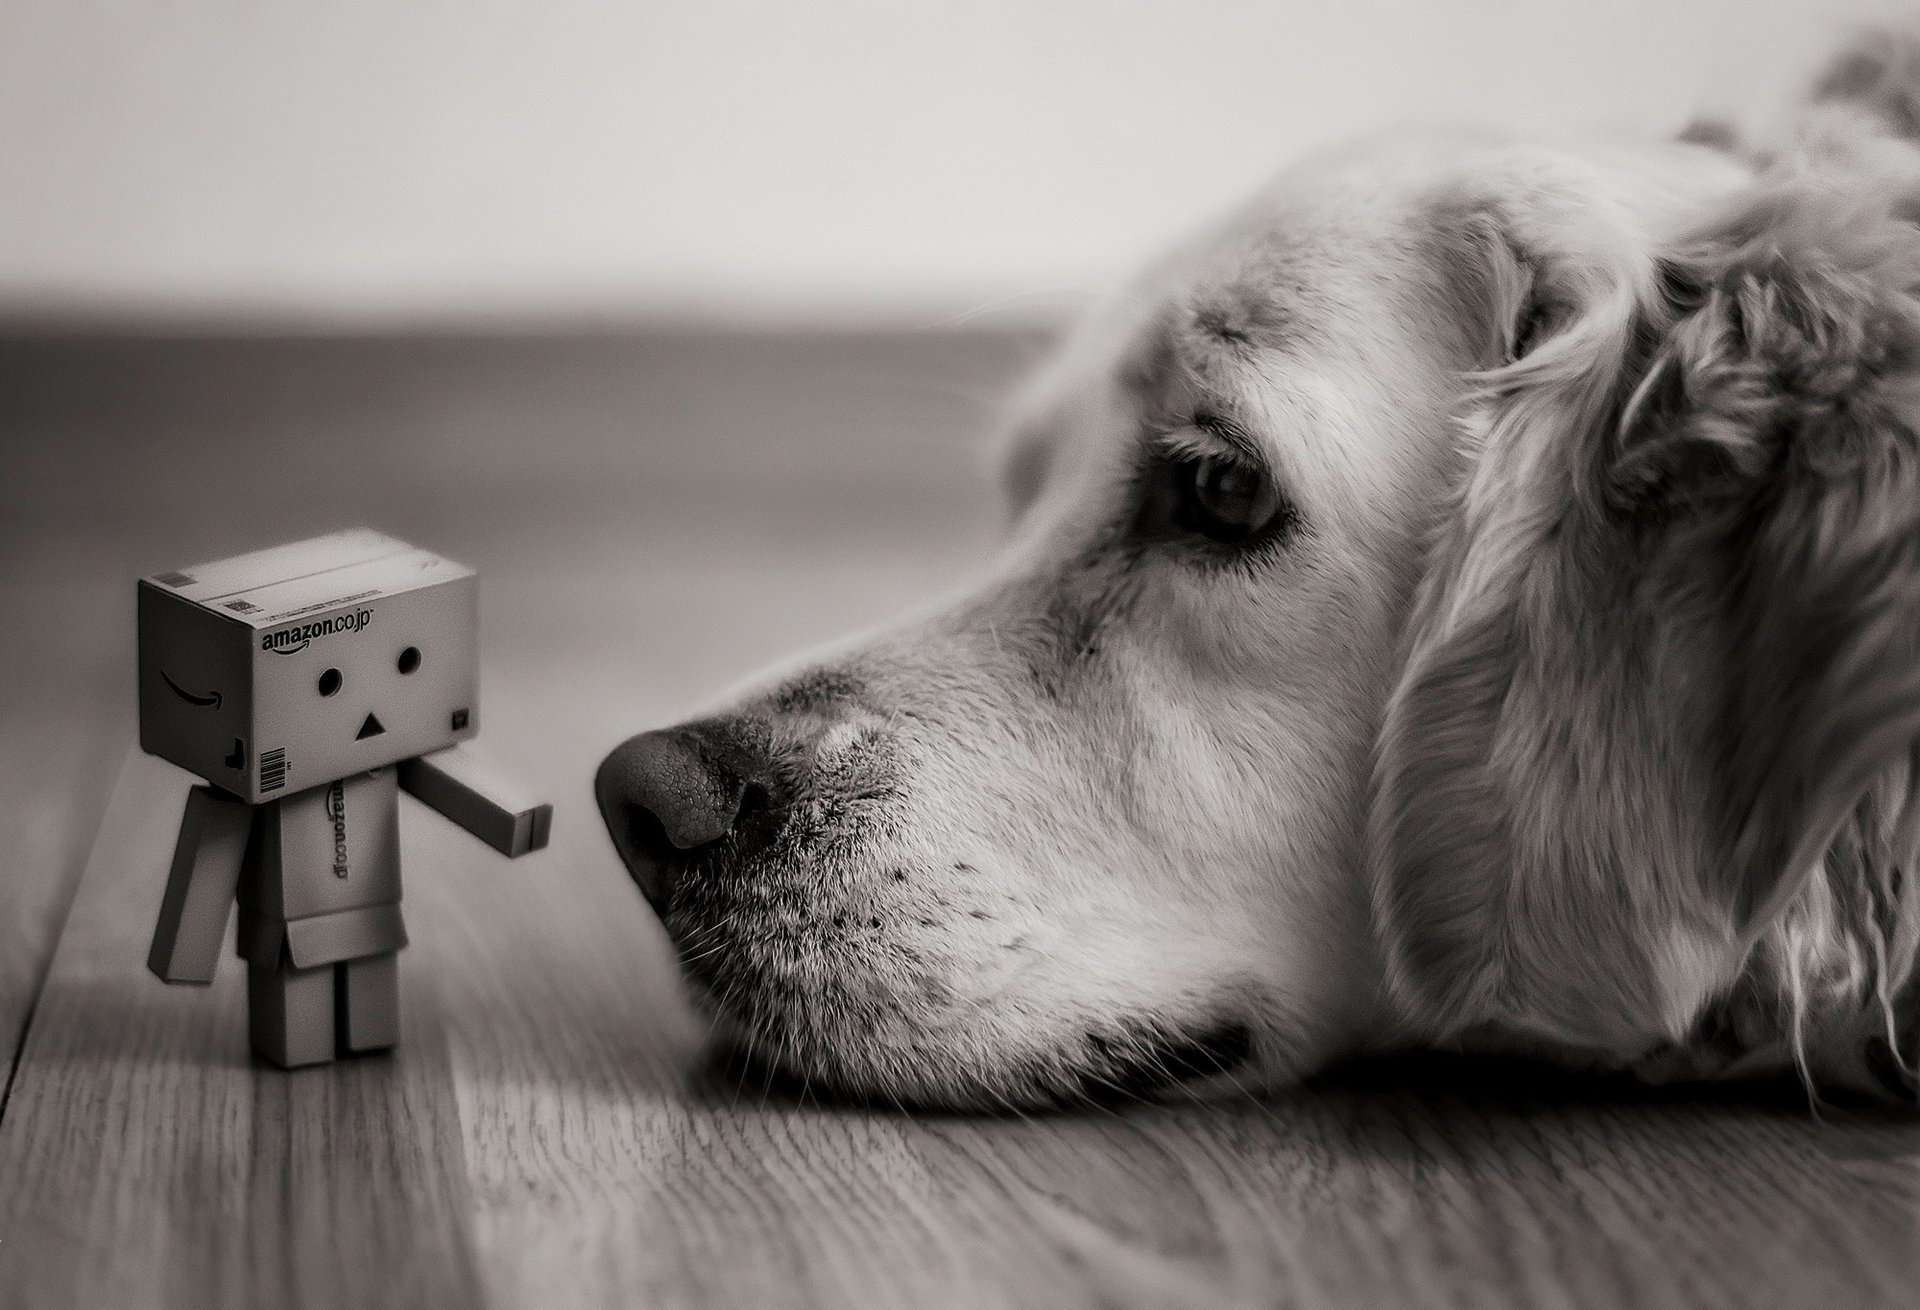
x=664 y=794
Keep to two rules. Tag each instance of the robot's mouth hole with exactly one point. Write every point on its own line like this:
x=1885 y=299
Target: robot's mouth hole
x=371 y=728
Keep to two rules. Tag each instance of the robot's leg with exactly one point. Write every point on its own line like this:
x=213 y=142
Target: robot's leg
x=290 y=1012
x=369 y=998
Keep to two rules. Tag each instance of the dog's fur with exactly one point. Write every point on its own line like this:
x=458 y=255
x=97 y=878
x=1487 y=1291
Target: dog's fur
x=1575 y=708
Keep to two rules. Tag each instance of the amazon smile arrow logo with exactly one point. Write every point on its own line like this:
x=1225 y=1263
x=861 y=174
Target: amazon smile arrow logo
x=209 y=701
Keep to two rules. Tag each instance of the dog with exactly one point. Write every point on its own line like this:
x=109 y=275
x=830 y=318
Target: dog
x=1469 y=599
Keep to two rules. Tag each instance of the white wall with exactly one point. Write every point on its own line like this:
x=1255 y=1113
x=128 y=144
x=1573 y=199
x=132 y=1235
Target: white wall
x=416 y=159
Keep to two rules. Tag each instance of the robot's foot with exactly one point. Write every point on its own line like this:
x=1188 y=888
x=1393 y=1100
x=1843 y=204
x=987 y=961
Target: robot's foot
x=290 y=1014
x=308 y=1016
x=367 y=1004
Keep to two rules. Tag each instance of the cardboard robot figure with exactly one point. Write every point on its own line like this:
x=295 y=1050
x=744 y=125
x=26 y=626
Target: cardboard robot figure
x=310 y=684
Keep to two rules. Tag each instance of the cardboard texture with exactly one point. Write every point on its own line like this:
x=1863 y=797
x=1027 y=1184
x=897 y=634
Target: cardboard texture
x=207 y=860
x=290 y=1014
x=329 y=848
x=367 y=1004
x=462 y=785
x=302 y=682
x=273 y=672
x=352 y=935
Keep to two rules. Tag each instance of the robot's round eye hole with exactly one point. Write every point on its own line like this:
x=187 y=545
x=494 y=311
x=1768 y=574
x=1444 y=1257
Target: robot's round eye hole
x=330 y=682
x=409 y=659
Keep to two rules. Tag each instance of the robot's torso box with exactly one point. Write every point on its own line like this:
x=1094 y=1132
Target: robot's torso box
x=277 y=671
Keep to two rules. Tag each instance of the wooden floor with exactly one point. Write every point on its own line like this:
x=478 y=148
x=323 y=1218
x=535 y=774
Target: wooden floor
x=653 y=517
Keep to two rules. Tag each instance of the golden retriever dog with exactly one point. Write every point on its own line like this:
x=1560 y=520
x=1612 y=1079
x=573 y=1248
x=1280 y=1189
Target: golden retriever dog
x=1470 y=598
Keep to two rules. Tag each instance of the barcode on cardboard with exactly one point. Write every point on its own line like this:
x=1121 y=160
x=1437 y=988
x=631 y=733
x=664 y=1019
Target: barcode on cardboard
x=242 y=606
x=174 y=579
x=273 y=769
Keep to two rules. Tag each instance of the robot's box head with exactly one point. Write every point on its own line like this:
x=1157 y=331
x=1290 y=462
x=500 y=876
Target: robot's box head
x=288 y=668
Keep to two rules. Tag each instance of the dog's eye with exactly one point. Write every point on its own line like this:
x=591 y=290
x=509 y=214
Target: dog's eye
x=1228 y=500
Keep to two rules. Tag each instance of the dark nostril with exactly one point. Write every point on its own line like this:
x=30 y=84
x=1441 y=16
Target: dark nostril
x=662 y=796
x=642 y=832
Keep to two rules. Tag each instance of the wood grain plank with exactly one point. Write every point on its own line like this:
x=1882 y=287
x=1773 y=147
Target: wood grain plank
x=148 y=1161
x=653 y=521
x=61 y=739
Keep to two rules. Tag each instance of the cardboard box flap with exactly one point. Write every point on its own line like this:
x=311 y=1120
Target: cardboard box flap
x=346 y=935
x=355 y=584
x=205 y=583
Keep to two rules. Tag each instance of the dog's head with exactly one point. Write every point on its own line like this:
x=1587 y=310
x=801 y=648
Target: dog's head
x=1470 y=596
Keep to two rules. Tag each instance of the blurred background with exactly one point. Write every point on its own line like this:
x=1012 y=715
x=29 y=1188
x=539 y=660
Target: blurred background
x=682 y=322
x=512 y=163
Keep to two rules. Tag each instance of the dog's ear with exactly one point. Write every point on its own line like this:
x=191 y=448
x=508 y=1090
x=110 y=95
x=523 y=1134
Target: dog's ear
x=1654 y=746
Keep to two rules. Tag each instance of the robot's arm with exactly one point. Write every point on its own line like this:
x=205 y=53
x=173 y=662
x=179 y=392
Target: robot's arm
x=206 y=867
x=458 y=783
